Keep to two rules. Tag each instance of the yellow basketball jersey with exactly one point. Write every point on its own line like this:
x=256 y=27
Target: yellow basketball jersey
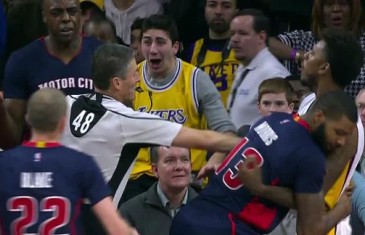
x=221 y=72
x=334 y=193
x=177 y=102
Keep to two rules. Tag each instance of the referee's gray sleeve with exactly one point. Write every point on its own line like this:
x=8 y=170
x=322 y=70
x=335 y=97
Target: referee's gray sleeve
x=210 y=104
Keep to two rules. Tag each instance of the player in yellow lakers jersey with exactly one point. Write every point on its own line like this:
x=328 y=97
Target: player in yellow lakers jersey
x=174 y=90
x=212 y=54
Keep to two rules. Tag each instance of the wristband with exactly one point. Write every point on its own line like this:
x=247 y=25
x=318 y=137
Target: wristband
x=293 y=54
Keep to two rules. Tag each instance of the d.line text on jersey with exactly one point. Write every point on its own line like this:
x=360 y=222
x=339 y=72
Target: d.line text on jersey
x=36 y=179
x=266 y=133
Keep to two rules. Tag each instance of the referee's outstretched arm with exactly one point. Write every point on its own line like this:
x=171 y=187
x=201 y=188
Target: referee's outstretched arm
x=204 y=139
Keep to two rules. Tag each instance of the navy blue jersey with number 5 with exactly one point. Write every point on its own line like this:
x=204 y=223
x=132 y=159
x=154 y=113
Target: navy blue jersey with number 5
x=283 y=147
x=43 y=186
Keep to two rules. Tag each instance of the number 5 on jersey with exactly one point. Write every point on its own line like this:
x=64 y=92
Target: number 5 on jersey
x=230 y=171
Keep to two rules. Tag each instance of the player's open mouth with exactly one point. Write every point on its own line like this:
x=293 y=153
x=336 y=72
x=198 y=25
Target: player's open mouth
x=337 y=21
x=155 y=63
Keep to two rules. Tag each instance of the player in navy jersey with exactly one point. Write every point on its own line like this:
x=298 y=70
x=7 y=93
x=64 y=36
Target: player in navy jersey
x=44 y=183
x=60 y=60
x=290 y=151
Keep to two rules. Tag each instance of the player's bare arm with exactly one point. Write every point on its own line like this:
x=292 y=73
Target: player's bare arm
x=250 y=173
x=310 y=213
x=111 y=220
x=209 y=140
x=12 y=112
x=339 y=212
x=214 y=161
x=282 y=50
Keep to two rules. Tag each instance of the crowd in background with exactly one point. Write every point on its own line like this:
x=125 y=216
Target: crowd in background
x=215 y=65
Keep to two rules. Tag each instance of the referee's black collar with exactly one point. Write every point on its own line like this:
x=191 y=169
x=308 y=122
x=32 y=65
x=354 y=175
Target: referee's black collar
x=99 y=96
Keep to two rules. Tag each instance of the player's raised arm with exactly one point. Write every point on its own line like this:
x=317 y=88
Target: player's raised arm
x=250 y=173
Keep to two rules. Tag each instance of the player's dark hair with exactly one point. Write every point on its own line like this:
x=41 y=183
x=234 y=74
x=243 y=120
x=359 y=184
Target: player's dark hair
x=161 y=22
x=344 y=54
x=110 y=60
x=260 y=21
x=45 y=109
x=335 y=105
x=137 y=24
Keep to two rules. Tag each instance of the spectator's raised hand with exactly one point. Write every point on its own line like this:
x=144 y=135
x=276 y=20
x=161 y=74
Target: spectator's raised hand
x=211 y=165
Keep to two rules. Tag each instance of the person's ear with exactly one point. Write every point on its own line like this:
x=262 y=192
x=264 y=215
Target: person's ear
x=263 y=36
x=291 y=107
x=116 y=82
x=154 y=169
x=324 y=68
x=176 y=47
x=27 y=119
x=318 y=118
x=62 y=124
x=44 y=18
x=259 y=108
